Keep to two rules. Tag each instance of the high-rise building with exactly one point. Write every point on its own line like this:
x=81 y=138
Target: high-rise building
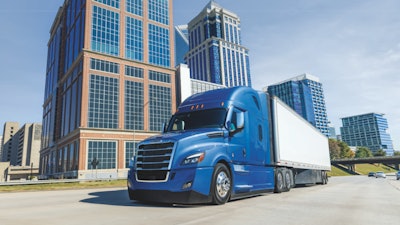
x=28 y=148
x=367 y=130
x=305 y=95
x=332 y=131
x=9 y=142
x=215 y=52
x=110 y=83
x=22 y=145
x=181 y=44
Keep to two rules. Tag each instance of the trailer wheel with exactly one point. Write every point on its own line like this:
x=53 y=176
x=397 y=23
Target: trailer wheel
x=279 y=183
x=288 y=180
x=221 y=185
x=324 y=178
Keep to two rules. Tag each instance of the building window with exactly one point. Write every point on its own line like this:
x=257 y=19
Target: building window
x=161 y=77
x=105 y=31
x=71 y=103
x=135 y=7
x=112 y=3
x=133 y=71
x=102 y=152
x=159 y=46
x=134 y=115
x=130 y=147
x=106 y=66
x=74 y=37
x=103 y=102
x=158 y=11
x=159 y=106
x=134 y=39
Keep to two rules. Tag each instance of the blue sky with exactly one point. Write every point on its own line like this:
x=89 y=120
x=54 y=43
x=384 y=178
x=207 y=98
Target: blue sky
x=353 y=46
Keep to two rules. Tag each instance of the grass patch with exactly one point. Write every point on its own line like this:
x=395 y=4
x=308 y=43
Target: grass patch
x=337 y=172
x=63 y=186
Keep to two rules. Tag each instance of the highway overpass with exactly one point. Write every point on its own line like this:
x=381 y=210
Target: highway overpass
x=393 y=161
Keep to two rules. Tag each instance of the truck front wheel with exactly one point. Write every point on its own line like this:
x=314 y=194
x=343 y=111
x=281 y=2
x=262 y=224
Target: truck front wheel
x=221 y=185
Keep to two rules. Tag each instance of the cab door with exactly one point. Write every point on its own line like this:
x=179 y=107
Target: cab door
x=238 y=148
x=237 y=138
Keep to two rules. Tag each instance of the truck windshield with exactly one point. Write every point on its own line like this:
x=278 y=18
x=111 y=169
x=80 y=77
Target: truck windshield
x=212 y=118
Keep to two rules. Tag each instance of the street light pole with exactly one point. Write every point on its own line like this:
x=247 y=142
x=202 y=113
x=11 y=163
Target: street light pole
x=31 y=170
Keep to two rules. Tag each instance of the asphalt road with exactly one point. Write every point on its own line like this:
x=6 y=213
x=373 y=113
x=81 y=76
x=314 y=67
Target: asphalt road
x=345 y=200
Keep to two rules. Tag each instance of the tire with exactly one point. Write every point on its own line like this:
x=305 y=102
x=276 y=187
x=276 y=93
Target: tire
x=325 y=181
x=288 y=180
x=279 y=182
x=221 y=184
x=130 y=194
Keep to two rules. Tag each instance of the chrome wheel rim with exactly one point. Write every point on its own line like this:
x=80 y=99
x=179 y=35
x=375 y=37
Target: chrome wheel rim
x=223 y=184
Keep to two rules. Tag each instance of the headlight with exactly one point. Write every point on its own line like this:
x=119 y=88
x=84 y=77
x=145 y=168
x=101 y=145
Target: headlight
x=193 y=159
x=132 y=162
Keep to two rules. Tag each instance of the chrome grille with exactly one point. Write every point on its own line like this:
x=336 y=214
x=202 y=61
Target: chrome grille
x=153 y=161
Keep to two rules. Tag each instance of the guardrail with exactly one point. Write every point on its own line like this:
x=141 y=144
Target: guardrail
x=33 y=182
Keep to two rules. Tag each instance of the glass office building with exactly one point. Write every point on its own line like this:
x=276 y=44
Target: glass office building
x=304 y=94
x=110 y=83
x=367 y=130
x=215 y=52
x=181 y=44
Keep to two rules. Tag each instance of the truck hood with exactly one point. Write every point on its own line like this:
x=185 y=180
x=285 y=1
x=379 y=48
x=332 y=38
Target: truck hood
x=185 y=136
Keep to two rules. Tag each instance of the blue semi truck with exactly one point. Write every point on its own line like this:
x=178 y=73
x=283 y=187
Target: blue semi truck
x=226 y=144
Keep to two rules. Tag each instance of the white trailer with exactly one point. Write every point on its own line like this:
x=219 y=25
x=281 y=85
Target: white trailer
x=298 y=145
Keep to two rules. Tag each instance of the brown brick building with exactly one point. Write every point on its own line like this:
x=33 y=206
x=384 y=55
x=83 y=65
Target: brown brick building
x=110 y=83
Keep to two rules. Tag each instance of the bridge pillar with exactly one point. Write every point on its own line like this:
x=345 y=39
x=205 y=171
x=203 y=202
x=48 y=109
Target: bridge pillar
x=397 y=166
x=351 y=167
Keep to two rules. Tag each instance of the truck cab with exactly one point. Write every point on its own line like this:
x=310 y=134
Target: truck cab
x=216 y=147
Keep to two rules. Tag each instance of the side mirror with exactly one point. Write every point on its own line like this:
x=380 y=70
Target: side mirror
x=235 y=122
x=240 y=120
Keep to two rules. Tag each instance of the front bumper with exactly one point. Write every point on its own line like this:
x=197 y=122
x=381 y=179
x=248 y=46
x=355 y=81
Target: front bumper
x=183 y=186
x=184 y=197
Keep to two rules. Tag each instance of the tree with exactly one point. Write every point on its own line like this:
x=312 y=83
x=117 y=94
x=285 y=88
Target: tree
x=396 y=153
x=339 y=150
x=345 y=151
x=334 y=149
x=380 y=152
x=363 y=152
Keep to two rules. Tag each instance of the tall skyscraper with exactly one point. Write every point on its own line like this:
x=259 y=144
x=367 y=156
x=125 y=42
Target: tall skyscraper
x=181 y=44
x=110 y=83
x=367 y=130
x=305 y=95
x=215 y=52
